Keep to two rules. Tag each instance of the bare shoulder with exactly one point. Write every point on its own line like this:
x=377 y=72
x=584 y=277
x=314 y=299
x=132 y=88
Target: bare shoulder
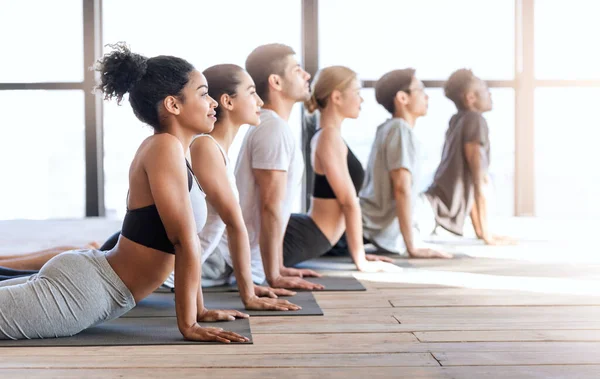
x=331 y=140
x=161 y=148
x=205 y=150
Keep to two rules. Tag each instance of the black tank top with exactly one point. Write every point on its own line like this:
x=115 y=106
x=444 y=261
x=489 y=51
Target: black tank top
x=321 y=187
x=144 y=226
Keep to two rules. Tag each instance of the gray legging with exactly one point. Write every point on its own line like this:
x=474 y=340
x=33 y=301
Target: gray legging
x=72 y=292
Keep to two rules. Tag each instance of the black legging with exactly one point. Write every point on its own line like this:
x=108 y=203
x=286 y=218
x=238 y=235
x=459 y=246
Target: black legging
x=9 y=273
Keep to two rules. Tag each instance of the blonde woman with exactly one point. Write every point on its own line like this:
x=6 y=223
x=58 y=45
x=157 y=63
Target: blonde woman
x=335 y=93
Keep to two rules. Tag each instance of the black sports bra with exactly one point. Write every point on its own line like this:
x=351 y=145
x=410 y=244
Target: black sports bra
x=144 y=226
x=321 y=187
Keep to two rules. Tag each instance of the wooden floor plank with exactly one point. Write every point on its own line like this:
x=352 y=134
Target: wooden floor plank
x=479 y=372
x=318 y=324
x=475 y=297
x=511 y=335
x=226 y=361
x=518 y=358
x=321 y=343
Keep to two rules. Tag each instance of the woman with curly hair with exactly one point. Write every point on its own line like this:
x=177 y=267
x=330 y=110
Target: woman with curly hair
x=166 y=208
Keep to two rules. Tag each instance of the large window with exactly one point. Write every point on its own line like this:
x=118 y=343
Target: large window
x=566 y=152
x=40 y=44
x=567 y=35
x=196 y=31
x=434 y=36
x=41 y=150
x=556 y=78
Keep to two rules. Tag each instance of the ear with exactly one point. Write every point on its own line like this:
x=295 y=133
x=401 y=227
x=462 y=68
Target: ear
x=336 y=96
x=275 y=82
x=401 y=98
x=172 y=105
x=225 y=102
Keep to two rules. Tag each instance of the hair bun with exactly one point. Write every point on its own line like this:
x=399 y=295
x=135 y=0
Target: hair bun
x=311 y=104
x=120 y=70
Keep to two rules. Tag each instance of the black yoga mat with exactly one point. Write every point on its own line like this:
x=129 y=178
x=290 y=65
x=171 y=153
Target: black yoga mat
x=133 y=331
x=163 y=305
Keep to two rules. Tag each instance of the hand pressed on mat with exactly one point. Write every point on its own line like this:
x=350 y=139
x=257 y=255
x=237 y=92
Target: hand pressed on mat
x=428 y=253
x=262 y=291
x=303 y=272
x=206 y=315
x=256 y=303
x=377 y=266
x=198 y=333
x=294 y=282
x=496 y=240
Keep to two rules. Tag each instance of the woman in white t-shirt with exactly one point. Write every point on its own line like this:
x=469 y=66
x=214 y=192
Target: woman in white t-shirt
x=239 y=104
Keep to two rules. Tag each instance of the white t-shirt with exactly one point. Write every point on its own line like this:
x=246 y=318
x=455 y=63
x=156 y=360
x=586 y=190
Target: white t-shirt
x=269 y=146
x=210 y=236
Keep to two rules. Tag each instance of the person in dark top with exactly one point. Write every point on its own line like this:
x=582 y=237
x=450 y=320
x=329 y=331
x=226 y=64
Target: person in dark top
x=166 y=208
x=458 y=186
x=337 y=180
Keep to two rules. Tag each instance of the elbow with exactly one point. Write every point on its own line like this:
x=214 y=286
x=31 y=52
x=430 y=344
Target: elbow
x=401 y=193
x=349 y=203
x=269 y=209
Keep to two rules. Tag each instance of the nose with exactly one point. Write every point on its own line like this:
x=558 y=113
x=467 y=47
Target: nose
x=213 y=103
x=259 y=102
x=307 y=75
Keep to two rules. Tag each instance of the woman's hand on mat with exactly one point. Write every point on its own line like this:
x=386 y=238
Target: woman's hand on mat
x=377 y=266
x=295 y=282
x=262 y=291
x=378 y=258
x=267 y=304
x=206 y=315
x=426 y=253
x=198 y=333
x=495 y=240
x=302 y=272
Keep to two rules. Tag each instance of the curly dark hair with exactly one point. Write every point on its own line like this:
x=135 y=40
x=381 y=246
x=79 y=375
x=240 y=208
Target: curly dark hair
x=147 y=80
x=457 y=85
x=265 y=61
x=390 y=84
x=222 y=79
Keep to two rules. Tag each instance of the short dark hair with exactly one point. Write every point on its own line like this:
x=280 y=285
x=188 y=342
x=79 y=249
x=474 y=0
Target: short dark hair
x=390 y=84
x=265 y=61
x=147 y=80
x=457 y=85
x=222 y=79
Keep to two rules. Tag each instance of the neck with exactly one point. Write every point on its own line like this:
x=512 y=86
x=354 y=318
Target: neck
x=184 y=136
x=331 y=119
x=224 y=132
x=280 y=105
x=410 y=118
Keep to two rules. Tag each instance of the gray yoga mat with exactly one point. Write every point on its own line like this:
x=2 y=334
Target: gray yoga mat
x=133 y=331
x=338 y=283
x=163 y=305
x=331 y=283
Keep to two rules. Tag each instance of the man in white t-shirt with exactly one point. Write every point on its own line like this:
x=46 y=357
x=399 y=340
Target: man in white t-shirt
x=270 y=166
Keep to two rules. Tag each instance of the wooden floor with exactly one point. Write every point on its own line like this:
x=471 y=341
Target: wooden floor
x=528 y=311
